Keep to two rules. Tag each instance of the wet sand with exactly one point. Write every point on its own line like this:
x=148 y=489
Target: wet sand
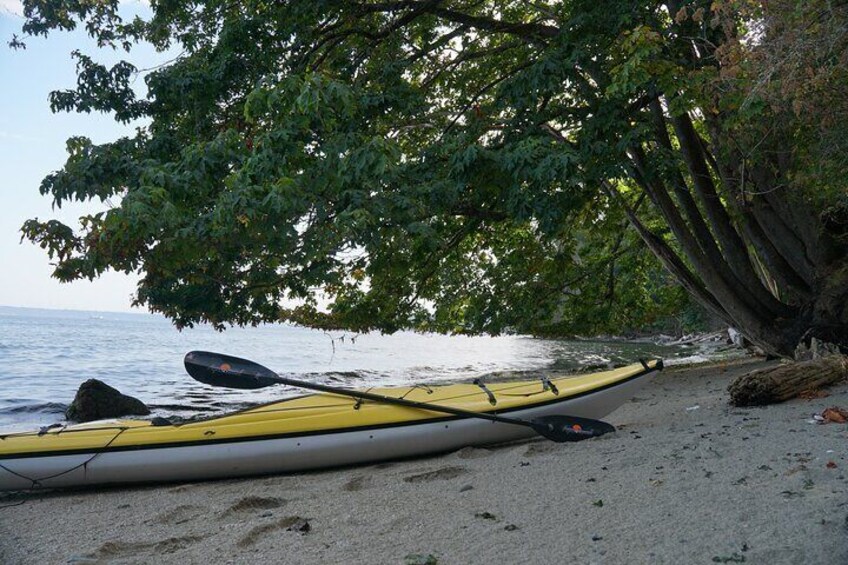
x=686 y=479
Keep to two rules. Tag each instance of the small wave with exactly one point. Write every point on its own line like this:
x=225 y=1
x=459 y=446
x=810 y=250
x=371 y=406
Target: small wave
x=336 y=376
x=61 y=356
x=36 y=408
x=347 y=375
x=356 y=375
x=199 y=395
x=183 y=407
x=689 y=360
x=17 y=400
x=426 y=369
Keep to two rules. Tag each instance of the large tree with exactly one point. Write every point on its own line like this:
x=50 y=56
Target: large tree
x=436 y=163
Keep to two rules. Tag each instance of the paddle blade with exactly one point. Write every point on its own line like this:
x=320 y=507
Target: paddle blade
x=217 y=369
x=570 y=428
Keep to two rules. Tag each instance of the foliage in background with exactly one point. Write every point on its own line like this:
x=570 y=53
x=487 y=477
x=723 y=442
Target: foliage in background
x=800 y=71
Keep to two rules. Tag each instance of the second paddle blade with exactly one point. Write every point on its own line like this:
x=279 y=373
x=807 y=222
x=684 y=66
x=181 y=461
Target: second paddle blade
x=221 y=370
x=570 y=428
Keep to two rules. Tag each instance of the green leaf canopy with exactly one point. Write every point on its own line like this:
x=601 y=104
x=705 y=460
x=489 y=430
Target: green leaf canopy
x=457 y=165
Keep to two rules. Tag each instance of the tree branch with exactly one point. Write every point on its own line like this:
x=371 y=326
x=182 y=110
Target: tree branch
x=531 y=31
x=670 y=260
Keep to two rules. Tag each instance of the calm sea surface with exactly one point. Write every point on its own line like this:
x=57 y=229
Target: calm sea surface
x=46 y=354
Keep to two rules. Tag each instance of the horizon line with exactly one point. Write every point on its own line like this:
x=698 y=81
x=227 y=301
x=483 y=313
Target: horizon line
x=136 y=311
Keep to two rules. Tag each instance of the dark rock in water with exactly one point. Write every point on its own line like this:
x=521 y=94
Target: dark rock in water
x=95 y=400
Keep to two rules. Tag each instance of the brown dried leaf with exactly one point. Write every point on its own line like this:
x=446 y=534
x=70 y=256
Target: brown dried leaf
x=831 y=465
x=835 y=414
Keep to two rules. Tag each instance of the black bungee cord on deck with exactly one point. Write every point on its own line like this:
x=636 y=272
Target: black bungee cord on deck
x=37 y=482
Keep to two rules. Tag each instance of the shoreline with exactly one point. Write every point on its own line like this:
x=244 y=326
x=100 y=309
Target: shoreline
x=687 y=478
x=38 y=389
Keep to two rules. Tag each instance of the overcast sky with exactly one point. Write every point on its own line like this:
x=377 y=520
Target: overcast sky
x=32 y=144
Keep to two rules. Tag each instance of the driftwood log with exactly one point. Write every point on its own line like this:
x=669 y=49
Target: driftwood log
x=776 y=384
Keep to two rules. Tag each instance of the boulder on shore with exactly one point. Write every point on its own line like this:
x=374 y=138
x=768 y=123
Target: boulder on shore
x=95 y=400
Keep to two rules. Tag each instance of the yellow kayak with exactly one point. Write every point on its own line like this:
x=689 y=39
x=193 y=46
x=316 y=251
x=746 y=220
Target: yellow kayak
x=306 y=432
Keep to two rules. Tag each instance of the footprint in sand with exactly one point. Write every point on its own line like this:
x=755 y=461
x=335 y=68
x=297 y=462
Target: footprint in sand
x=356 y=484
x=290 y=523
x=142 y=552
x=251 y=505
x=442 y=474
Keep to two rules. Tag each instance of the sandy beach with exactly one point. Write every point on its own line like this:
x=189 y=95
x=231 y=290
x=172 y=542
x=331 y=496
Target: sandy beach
x=686 y=479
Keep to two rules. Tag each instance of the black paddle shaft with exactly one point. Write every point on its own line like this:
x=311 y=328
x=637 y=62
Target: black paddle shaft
x=217 y=369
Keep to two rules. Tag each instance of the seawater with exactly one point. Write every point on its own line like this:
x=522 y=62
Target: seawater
x=46 y=354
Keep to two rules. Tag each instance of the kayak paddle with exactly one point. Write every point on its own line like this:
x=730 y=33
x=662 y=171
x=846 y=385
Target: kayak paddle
x=217 y=369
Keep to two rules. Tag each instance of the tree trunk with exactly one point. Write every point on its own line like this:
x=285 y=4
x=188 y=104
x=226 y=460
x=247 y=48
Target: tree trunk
x=830 y=310
x=776 y=384
x=749 y=245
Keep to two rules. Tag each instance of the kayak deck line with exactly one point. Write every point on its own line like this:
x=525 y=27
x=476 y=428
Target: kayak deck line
x=304 y=423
